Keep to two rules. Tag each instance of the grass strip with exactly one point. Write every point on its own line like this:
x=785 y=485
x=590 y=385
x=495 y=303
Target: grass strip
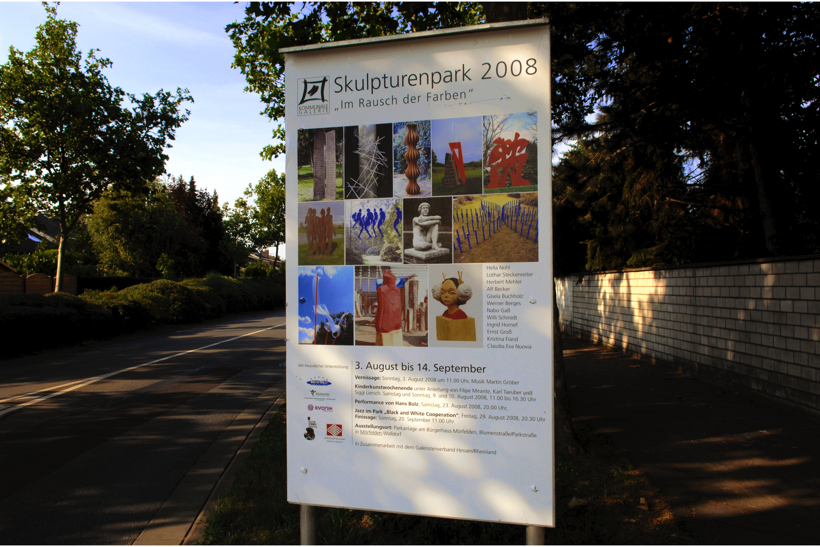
x=614 y=503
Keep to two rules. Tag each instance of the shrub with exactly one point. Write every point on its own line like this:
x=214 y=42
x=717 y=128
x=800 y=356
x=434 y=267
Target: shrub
x=49 y=320
x=181 y=304
x=256 y=270
x=63 y=318
x=130 y=312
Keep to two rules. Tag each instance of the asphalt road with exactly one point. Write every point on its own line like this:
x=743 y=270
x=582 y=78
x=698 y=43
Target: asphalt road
x=94 y=440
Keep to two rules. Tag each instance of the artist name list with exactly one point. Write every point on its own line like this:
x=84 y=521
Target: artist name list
x=504 y=303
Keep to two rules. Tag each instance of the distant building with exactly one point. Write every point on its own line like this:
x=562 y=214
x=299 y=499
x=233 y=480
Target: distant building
x=46 y=230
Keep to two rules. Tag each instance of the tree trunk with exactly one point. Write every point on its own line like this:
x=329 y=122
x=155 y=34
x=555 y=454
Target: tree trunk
x=761 y=180
x=58 y=280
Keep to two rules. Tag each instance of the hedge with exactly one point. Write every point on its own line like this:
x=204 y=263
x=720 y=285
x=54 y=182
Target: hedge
x=57 y=319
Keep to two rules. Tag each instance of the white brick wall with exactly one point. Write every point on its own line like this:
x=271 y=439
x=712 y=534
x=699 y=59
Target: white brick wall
x=754 y=324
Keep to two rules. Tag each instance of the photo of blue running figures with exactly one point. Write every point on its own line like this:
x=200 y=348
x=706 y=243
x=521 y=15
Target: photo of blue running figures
x=373 y=231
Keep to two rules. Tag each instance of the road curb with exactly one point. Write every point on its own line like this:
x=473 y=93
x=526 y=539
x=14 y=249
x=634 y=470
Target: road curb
x=181 y=519
x=225 y=482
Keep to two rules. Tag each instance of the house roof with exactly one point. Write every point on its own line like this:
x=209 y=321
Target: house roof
x=44 y=230
x=4 y=268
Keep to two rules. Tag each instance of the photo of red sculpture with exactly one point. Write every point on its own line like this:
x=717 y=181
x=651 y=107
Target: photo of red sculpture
x=508 y=155
x=510 y=152
x=390 y=305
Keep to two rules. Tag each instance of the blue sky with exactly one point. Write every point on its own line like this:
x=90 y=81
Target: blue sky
x=464 y=130
x=335 y=294
x=167 y=45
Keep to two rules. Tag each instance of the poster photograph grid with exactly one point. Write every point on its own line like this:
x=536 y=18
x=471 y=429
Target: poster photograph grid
x=443 y=192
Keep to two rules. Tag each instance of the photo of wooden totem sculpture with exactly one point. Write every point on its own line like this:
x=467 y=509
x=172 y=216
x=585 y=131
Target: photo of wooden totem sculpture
x=454 y=163
x=411 y=139
x=324 y=165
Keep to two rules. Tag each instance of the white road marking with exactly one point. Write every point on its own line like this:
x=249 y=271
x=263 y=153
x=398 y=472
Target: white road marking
x=77 y=384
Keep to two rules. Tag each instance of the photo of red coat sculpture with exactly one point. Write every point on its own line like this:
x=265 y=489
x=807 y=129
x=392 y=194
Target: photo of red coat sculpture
x=388 y=312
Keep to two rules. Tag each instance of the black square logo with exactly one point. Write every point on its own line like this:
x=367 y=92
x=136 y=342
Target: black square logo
x=312 y=96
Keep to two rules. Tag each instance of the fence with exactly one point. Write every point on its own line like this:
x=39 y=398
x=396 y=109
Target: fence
x=754 y=324
x=11 y=283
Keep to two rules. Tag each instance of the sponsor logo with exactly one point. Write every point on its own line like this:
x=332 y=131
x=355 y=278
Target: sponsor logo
x=310 y=430
x=312 y=96
x=315 y=393
x=334 y=430
x=318 y=381
x=318 y=408
x=310 y=407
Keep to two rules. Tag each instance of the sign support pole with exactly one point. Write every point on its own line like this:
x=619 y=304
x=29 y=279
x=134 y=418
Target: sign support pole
x=307 y=525
x=536 y=535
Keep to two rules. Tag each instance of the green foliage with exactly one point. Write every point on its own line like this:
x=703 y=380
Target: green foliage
x=43 y=260
x=269 y=26
x=747 y=189
x=353 y=257
x=35 y=322
x=238 y=243
x=67 y=319
x=631 y=197
x=423 y=146
x=170 y=302
x=202 y=214
x=391 y=252
x=17 y=213
x=131 y=232
x=268 y=214
x=54 y=104
x=166 y=266
x=256 y=270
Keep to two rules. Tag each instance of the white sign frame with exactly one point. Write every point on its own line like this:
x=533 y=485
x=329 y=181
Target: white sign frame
x=343 y=449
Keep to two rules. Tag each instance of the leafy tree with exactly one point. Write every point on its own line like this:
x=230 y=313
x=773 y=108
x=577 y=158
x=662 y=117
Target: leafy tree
x=424 y=129
x=269 y=26
x=143 y=235
x=238 y=242
x=65 y=135
x=733 y=89
x=268 y=214
x=16 y=214
x=43 y=260
x=201 y=211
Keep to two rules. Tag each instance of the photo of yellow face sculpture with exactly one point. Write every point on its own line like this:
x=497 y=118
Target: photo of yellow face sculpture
x=454 y=324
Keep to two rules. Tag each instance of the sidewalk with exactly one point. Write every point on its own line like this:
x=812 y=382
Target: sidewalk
x=181 y=519
x=733 y=470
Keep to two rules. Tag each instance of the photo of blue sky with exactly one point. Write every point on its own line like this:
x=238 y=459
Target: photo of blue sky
x=335 y=296
x=464 y=130
x=524 y=124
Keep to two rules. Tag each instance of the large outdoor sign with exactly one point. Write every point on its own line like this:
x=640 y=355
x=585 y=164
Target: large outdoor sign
x=419 y=347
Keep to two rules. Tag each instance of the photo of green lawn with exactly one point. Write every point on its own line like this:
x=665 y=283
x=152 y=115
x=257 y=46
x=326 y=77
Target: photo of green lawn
x=306 y=183
x=457 y=141
x=473 y=186
x=316 y=148
x=316 y=252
